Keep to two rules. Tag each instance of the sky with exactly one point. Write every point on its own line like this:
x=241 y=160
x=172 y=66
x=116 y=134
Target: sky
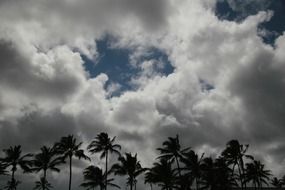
x=208 y=70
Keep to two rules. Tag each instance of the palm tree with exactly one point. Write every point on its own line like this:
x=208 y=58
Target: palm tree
x=104 y=144
x=69 y=148
x=256 y=173
x=217 y=175
x=94 y=177
x=12 y=185
x=171 y=151
x=277 y=182
x=43 y=184
x=192 y=164
x=46 y=160
x=162 y=174
x=208 y=176
x=129 y=165
x=14 y=159
x=234 y=154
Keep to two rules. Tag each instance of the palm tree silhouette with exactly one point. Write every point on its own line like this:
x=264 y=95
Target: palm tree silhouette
x=12 y=185
x=129 y=165
x=46 y=160
x=104 y=144
x=208 y=176
x=171 y=151
x=217 y=175
x=162 y=174
x=192 y=164
x=276 y=182
x=43 y=184
x=14 y=159
x=69 y=149
x=256 y=173
x=94 y=177
x=234 y=154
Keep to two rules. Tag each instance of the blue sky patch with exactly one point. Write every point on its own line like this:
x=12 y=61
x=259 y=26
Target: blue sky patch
x=115 y=62
x=238 y=10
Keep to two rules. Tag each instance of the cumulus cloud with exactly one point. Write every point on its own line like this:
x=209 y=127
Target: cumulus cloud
x=46 y=92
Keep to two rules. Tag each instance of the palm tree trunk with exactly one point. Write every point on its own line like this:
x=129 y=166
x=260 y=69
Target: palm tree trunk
x=131 y=184
x=106 y=170
x=70 y=172
x=45 y=176
x=240 y=177
x=178 y=167
x=197 y=184
x=13 y=177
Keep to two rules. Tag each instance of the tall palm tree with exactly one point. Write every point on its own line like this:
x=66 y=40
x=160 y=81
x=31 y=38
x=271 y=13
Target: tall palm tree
x=13 y=158
x=94 y=177
x=69 y=148
x=256 y=173
x=46 y=160
x=235 y=154
x=104 y=144
x=171 y=151
x=43 y=184
x=162 y=174
x=130 y=166
x=193 y=164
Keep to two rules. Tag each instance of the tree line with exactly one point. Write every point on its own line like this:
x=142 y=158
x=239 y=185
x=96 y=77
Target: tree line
x=176 y=167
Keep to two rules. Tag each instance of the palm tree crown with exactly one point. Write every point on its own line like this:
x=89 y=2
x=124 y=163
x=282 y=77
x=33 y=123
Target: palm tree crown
x=171 y=151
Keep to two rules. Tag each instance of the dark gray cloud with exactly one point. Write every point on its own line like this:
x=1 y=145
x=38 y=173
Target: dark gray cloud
x=19 y=74
x=261 y=87
x=36 y=129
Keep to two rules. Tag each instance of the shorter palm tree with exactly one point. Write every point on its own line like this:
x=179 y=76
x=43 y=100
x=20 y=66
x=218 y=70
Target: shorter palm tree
x=130 y=166
x=46 y=160
x=43 y=184
x=256 y=173
x=69 y=148
x=193 y=164
x=276 y=182
x=216 y=175
x=162 y=175
x=12 y=184
x=13 y=158
x=94 y=177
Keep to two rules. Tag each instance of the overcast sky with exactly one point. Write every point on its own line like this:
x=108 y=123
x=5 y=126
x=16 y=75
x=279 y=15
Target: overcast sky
x=143 y=70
